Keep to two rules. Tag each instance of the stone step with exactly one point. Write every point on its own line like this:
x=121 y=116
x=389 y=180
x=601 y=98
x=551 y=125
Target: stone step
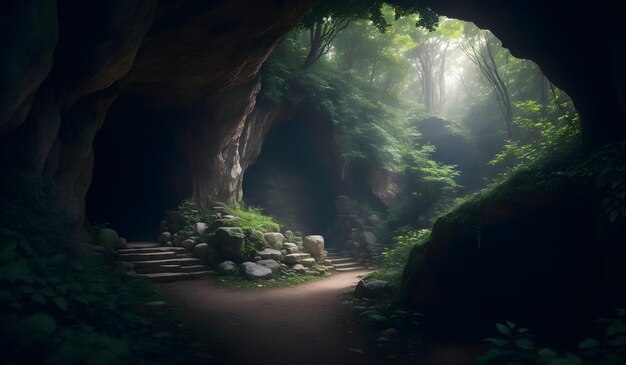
x=143 y=244
x=183 y=261
x=347 y=264
x=171 y=268
x=348 y=269
x=151 y=249
x=148 y=256
x=340 y=259
x=173 y=276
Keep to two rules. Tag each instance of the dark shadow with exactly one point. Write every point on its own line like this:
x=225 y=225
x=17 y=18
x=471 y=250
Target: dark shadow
x=138 y=170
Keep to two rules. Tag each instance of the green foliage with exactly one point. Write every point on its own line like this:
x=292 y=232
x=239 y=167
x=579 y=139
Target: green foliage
x=548 y=135
x=191 y=213
x=395 y=257
x=371 y=10
x=252 y=218
x=515 y=345
x=61 y=307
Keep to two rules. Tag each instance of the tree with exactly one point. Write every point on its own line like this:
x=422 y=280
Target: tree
x=321 y=36
x=486 y=52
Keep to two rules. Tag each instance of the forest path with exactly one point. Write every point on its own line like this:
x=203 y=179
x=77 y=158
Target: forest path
x=306 y=324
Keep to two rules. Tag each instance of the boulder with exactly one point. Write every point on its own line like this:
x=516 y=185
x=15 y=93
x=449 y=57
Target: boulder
x=367 y=238
x=328 y=262
x=373 y=219
x=274 y=240
x=164 y=237
x=227 y=268
x=310 y=262
x=253 y=271
x=299 y=268
x=188 y=244
x=178 y=240
x=313 y=245
x=288 y=234
x=312 y=272
x=121 y=243
x=230 y=242
x=295 y=258
x=200 y=227
x=270 y=264
x=372 y=289
x=290 y=247
x=270 y=254
x=201 y=251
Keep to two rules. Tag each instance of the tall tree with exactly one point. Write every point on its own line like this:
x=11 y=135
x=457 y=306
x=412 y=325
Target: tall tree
x=485 y=50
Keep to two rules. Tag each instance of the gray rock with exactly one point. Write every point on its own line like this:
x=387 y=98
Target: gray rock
x=313 y=245
x=253 y=271
x=200 y=228
x=121 y=243
x=188 y=244
x=312 y=272
x=274 y=240
x=299 y=268
x=288 y=234
x=328 y=263
x=372 y=289
x=368 y=238
x=270 y=254
x=201 y=251
x=295 y=258
x=169 y=243
x=230 y=242
x=290 y=247
x=227 y=268
x=308 y=262
x=178 y=240
x=270 y=264
x=228 y=216
x=373 y=219
x=164 y=237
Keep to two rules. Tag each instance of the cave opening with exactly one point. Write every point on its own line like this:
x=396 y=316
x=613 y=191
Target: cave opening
x=291 y=180
x=138 y=170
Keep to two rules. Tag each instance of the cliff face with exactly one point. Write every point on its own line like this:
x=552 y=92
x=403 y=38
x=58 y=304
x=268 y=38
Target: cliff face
x=65 y=63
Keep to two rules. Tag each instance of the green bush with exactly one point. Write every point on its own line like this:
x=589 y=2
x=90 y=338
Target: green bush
x=60 y=306
x=252 y=218
x=407 y=242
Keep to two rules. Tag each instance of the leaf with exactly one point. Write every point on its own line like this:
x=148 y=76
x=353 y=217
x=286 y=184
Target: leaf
x=38 y=297
x=510 y=324
x=42 y=322
x=588 y=343
x=615 y=328
x=60 y=302
x=7 y=252
x=524 y=343
x=503 y=329
x=523 y=330
x=546 y=354
x=497 y=341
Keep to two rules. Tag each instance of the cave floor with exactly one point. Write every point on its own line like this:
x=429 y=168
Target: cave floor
x=308 y=324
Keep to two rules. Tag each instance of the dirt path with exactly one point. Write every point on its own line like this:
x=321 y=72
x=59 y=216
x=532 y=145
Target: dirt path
x=307 y=324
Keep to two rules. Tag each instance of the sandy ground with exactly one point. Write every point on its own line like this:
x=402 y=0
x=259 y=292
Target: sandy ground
x=307 y=324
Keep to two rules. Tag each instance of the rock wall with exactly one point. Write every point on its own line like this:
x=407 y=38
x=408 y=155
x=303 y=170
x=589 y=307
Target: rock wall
x=65 y=62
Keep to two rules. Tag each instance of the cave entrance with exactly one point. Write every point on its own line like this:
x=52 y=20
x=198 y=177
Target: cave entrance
x=138 y=170
x=291 y=180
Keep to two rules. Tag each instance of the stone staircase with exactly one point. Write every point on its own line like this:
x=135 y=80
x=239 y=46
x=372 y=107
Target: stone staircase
x=161 y=263
x=343 y=262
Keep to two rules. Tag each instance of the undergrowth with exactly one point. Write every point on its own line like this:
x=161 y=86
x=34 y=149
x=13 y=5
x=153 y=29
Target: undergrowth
x=60 y=306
